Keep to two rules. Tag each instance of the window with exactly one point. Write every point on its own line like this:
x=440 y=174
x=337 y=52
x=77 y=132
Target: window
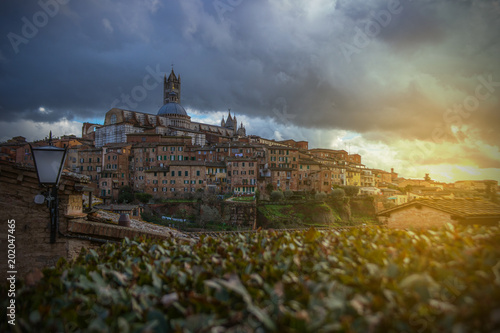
x=186 y=173
x=179 y=173
x=112 y=119
x=198 y=172
x=172 y=174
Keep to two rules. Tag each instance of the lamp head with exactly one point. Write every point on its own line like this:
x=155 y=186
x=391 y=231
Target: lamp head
x=49 y=162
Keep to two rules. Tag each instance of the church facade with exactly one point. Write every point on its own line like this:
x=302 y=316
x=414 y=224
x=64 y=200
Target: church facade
x=170 y=120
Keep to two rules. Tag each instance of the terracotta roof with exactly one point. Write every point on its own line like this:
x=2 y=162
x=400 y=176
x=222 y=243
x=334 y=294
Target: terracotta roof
x=459 y=207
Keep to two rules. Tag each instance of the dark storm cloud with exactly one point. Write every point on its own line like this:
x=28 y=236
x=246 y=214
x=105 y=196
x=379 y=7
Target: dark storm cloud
x=257 y=57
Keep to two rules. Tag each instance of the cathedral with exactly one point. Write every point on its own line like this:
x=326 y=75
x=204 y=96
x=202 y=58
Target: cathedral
x=171 y=119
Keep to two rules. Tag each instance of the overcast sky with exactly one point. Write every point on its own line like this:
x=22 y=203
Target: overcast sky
x=413 y=85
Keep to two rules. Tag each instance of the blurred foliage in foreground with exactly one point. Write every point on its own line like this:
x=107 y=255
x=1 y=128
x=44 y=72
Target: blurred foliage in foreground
x=360 y=280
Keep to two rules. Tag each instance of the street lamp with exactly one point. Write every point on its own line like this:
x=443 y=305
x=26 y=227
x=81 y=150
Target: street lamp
x=49 y=162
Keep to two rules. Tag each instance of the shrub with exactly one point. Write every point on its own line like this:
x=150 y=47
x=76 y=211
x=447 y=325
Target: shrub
x=125 y=195
x=351 y=190
x=277 y=195
x=320 y=196
x=143 y=197
x=361 y=280
x=288 y=194
x=337 y=194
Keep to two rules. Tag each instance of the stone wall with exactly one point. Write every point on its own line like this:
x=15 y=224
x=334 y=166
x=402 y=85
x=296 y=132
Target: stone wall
x=241 y=214
x=33 y=250
x=18 y=188
x=415 y=217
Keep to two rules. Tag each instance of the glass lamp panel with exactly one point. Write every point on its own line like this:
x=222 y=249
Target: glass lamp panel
x=48 y=162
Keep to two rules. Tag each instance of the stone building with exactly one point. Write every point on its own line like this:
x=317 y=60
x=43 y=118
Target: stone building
x=179 y=177
x=171 y=119
x=216 y=179
x=429 y=213
x=242 y=174
x=115 y=172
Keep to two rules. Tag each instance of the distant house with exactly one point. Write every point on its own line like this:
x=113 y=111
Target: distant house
x=430 y=213
x=370 y=191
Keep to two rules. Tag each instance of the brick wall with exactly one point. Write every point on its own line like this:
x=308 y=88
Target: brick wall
x=413 y=217
x=18 y=187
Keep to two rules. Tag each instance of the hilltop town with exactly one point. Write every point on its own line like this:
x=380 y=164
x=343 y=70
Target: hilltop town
x=169 y=156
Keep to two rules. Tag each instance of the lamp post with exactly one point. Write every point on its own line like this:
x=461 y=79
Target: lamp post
x=49 y=162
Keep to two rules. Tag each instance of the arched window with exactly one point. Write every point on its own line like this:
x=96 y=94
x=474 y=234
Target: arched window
x=113 y=119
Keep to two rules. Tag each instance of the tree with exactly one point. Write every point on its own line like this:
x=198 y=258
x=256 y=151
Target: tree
x=143 y=197
x=288 y=194
x=269 y=188
x=125 y=195
x=351 y=190
x=277 y=196
x=183 y=212
x=257 y=195
x=337 y=194
x=320 y=196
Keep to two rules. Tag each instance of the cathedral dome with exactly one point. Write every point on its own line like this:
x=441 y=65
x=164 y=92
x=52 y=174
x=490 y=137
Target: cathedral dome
x=172 y=108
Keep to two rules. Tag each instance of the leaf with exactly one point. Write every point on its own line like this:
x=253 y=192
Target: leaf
x=169 y=299
x=421 y=283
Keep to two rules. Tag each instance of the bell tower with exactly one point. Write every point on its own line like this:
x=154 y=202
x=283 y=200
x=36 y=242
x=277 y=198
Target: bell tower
x=172 y=88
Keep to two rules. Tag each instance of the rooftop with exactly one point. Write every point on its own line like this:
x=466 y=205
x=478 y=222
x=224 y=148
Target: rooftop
x=463 y=207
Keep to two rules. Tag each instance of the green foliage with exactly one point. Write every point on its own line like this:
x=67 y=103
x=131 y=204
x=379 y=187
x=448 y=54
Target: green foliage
x=269 y=188
x=244 y=199
x=143 y=197
x=288 y=194
x=357 y=280
x=277 y=196
x=351 y=190
x=337 y=194
x=125 y=195
x=320 y=196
